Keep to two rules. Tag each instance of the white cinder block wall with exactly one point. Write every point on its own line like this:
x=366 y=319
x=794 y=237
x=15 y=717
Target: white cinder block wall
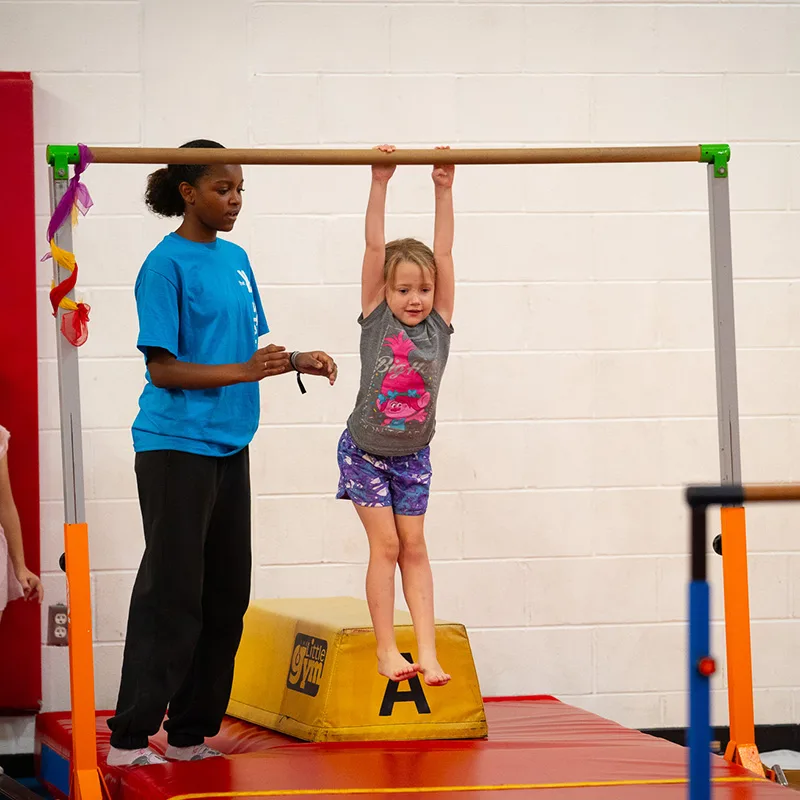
x=580 y=396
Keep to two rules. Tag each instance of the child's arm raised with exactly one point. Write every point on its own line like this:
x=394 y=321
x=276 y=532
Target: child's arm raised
x=372 y=283
x=443 y=233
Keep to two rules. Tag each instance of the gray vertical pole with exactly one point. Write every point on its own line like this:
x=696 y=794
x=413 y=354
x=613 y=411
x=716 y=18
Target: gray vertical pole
x=68 y=380
x=724 y=333
x=741 y=748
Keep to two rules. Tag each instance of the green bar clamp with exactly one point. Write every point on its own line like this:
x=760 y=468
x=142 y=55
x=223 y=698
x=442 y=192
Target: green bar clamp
x=717 y=154
x=60 y=156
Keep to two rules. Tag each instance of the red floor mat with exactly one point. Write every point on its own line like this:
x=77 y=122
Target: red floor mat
x=537 y=748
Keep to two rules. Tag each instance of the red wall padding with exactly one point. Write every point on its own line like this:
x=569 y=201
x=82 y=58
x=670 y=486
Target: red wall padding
x=20 y=629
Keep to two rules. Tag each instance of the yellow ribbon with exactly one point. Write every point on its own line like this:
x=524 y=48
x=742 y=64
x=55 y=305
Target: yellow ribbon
x=66 y=260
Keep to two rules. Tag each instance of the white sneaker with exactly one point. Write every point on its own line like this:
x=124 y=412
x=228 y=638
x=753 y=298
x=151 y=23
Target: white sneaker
x=196 y=752
x=141 y=757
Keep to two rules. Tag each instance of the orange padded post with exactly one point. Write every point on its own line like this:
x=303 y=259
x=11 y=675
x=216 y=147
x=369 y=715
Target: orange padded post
x=86 y=780
x=741 y=748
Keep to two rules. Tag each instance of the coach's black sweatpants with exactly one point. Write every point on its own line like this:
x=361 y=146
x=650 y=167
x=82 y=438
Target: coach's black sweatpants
x=190 y=595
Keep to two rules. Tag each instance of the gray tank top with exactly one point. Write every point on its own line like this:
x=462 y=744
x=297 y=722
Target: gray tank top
x=401 y=369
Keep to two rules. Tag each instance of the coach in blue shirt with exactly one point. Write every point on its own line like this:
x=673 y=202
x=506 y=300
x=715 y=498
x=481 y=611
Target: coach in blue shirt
x=200 y=318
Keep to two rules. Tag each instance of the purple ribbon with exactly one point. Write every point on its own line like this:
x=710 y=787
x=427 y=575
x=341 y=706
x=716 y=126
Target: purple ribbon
x=76 y=194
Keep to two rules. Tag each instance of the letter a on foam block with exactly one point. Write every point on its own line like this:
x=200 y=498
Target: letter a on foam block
x=308 y=668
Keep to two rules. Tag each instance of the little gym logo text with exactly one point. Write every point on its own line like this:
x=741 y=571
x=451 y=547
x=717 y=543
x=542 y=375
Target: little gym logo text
x=308 y=661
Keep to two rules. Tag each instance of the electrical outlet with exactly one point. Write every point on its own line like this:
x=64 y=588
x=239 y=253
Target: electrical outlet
x=57 y=625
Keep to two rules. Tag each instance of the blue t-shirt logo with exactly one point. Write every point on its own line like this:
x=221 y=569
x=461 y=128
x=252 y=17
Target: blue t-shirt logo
x=245 y=281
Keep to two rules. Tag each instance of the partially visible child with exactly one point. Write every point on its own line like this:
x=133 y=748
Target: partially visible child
x=407 y=296
x=16 y=580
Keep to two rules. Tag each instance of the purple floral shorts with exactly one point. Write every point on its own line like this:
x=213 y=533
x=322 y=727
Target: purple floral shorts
x=402 y=482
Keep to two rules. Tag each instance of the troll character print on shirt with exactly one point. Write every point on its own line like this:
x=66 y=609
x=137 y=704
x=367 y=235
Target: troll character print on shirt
x=403 y=396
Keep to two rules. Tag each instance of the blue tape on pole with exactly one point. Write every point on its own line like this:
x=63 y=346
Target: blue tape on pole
x=699 y=693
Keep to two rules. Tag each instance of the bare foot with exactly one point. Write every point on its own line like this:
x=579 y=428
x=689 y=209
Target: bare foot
x=432 y=673
x=393 y=666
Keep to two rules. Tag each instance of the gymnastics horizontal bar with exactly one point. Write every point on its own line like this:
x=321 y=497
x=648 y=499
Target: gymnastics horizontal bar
x=330 y=157
x=732 y=495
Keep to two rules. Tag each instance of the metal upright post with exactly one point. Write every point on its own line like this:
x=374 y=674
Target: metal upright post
x=68 y=377
x=724 y=330
x=86 y=780
x=742 y=748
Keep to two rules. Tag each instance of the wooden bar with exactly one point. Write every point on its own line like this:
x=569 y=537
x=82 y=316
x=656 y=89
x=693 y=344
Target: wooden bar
x=771 y=493
x=310 y=156
x=734 y=494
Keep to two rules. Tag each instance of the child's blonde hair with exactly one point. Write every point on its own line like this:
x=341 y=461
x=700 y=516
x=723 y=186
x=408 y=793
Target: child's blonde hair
x=411 y=250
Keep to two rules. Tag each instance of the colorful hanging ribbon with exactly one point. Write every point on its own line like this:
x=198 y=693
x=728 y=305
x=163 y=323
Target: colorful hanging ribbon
x=76 y=198
x=74 y=320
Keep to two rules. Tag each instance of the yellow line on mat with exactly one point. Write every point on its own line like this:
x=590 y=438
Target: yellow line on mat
x=497 y=787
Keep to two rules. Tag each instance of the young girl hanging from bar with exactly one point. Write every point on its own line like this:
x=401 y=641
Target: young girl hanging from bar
x=407 y=297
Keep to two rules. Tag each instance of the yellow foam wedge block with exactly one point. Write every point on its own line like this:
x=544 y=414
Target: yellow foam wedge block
x=307 y=668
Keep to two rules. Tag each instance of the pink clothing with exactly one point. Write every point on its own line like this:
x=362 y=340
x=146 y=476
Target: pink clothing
x=10 y=587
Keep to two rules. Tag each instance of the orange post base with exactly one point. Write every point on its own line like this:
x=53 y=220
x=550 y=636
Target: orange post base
x=741 y=749
x=86 y=781
x=746 y=755
x=88 y=784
